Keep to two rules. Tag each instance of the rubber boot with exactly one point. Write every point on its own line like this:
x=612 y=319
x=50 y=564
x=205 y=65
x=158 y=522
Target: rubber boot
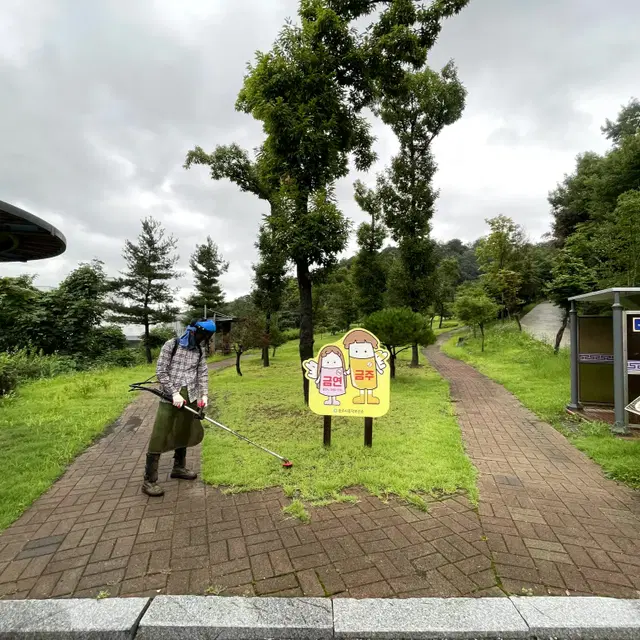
x=179 y=466
x=150 y=485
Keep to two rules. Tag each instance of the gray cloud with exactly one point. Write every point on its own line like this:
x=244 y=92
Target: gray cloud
x=99 y=102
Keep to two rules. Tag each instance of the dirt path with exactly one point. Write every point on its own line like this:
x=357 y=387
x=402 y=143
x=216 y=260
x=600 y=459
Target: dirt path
x=552 y=520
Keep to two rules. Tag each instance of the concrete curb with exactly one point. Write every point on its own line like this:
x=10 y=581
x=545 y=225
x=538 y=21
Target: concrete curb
x=204 y=618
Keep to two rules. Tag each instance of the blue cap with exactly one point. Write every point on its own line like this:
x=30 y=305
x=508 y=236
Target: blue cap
x=207 y=325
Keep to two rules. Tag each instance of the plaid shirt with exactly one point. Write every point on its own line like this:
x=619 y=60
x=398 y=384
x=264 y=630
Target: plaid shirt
x=183 y=371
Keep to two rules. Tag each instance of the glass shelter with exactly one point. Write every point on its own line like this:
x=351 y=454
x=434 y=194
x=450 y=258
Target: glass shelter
x=605 y=354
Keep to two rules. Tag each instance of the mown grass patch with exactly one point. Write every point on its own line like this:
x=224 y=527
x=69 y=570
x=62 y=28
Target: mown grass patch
x=46 y=424
x=447 y=325
x=417 y=448
x=541 y=381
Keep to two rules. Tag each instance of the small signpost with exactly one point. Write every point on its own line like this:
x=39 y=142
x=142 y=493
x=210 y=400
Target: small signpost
x=350 y=377
x=634 y=407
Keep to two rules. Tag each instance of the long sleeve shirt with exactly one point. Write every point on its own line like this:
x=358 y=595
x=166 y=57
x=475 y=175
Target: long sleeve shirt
x=188 y=368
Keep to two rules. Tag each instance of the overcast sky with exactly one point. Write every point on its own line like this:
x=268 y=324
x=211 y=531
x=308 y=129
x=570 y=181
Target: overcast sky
x=101 y=100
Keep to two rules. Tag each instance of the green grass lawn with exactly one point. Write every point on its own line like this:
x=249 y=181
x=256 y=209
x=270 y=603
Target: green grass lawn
x=47 y=423
x=219 y=357
x=541 y=380
x=447 y=325
x=417 y=448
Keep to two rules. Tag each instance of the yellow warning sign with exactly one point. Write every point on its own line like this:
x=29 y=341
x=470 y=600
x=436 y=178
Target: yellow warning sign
x=350 y=377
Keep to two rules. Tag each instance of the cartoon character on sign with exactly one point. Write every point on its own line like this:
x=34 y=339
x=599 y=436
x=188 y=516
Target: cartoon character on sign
x=330 y=377
x=366 y=363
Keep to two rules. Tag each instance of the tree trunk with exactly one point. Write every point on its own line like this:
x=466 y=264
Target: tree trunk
x=392 y=365
x=431 y=321
x=265 y=349
x=147 y=344
x=306 y=320
x=415 y=356
x=517 y=318
x=482 y=333
x=273 y=355
x=238 y=354
x=565 y=321
x=440 y=325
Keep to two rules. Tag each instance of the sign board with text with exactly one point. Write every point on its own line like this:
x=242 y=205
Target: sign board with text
x=350 y=377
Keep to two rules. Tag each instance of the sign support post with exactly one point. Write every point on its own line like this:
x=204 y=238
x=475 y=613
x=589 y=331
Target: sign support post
x=327 y=431
x=368 y=432
x=350 y=378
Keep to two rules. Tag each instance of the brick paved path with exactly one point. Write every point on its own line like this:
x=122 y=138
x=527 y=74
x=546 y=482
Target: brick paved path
x=549 y=523
x=553 y=522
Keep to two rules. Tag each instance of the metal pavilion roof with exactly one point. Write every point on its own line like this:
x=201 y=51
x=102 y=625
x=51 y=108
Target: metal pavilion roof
x=629 y=295
x=25 y=237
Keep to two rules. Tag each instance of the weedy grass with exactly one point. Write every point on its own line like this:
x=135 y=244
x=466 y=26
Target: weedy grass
x=541 y=381
x=417 y=448
x=447 y=325
x=45 y=424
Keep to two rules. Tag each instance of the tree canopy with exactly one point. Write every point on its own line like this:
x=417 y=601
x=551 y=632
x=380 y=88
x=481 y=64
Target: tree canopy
x=596 y=209
x=207 y=266
x=144 y=295
x=399 y=329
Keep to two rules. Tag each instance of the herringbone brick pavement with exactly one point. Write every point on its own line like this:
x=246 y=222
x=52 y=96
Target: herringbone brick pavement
x=548 y=522
x=553 y=522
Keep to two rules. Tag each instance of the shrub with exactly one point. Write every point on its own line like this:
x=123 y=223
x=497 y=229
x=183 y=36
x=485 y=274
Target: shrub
x=291 y=334
x=8 y=375
x=108 y=338
x=158 y=336
x=122 y=358
x=398 y=329
x=476 y=310
x=21 y=365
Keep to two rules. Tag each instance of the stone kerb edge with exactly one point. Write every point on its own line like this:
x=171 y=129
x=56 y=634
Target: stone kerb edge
x=201 y=617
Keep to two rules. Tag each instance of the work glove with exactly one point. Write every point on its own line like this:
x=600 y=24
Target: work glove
x=203 y=402
x=178 y=400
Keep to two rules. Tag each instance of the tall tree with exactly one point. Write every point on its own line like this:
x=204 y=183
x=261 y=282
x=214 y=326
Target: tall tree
x=617 y=239
x=207 y=265
x=308 y=92
x=447 y=279
x=144 y=295
x=398 y=329
x=502 y=248
x=81 y=306
x=592 y=190
x=340 y=299
x=477 y=310
x=424 y=104
x=569 y=277
x=500 y=257
x=466 y=256
x=20 y=305
x=369 y=272
x=626 y=124
x=571 y=200
x=247 y=334
x=269 y=282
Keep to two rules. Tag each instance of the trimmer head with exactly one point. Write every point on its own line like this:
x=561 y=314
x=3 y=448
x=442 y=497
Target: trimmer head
x=287 y=464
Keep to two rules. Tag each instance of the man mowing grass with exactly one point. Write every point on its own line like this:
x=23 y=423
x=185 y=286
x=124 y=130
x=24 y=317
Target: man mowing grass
x=183 y=375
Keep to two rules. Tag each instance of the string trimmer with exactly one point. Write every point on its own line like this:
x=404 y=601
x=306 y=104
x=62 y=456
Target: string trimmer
x=143 y=386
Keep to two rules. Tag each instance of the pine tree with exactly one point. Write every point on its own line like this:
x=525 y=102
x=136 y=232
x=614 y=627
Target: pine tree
x=143 y=293
x=369 y=273
x=207 y=265
x=426 y=102
x=269 y=282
